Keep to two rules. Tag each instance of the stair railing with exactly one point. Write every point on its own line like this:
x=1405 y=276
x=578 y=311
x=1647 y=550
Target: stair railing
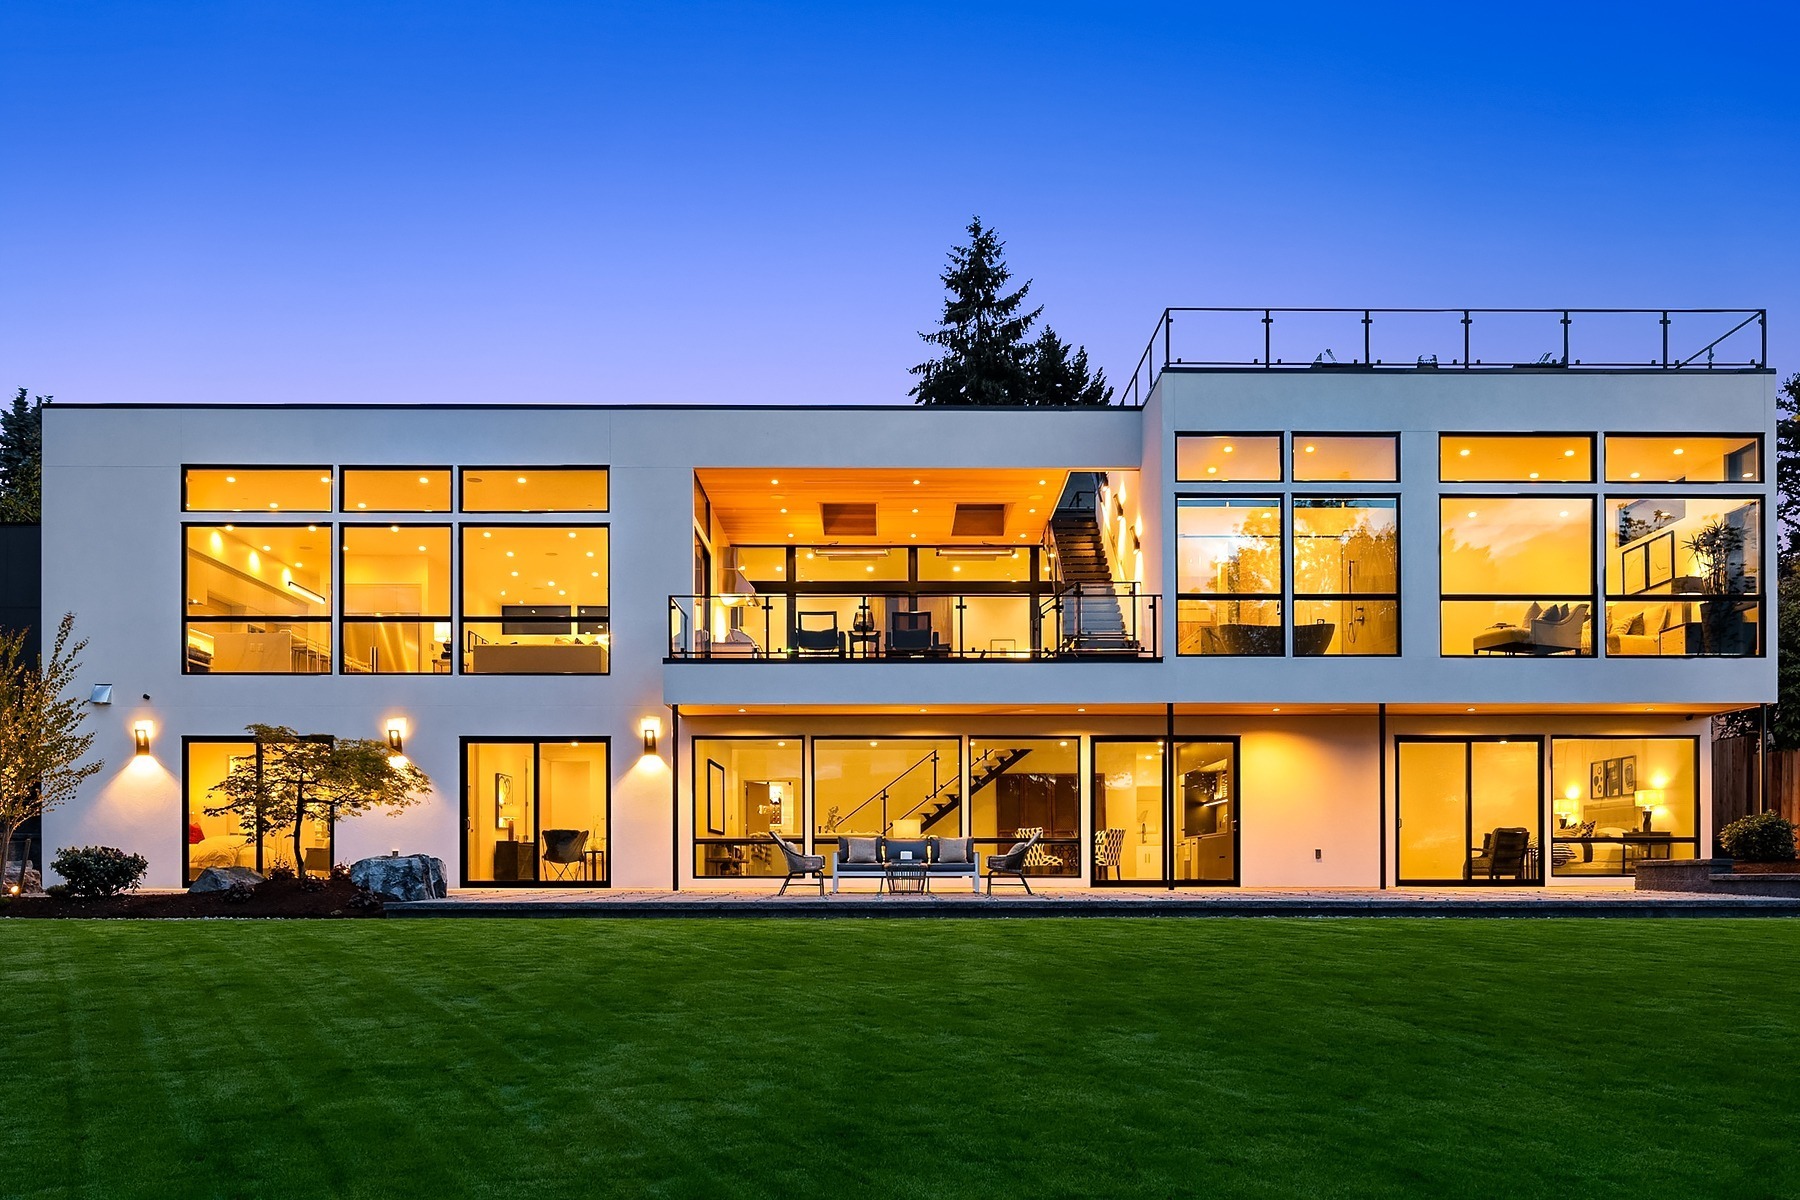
x=837 y=820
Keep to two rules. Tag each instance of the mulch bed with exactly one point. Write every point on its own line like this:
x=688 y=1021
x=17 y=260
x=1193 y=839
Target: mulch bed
x=272 y=898
x=1767 y=868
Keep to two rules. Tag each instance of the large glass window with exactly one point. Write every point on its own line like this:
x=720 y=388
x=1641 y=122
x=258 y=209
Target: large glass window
x=1468 y=810
x=1351 y=458
x=744 y=790
x=534 y=489
x=853 y=565
x=1683 y=576
x=1225 y=458
x=216 y=836
x=1346 y=575
x=535 y=600
x=397 y=599
x=1142 y=835
x=1019 y=787
x=1619 y=800
x=1516 y=457
x=258 y=599
x=1229 y=573
x=960 y=566
x=397 y=489
x=536 y=812
x=1517 y=575
x=256 y=489
x=867 y=786
x=1680 y=458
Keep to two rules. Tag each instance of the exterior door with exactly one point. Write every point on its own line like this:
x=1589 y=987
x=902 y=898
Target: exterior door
x=1469 y=810
x=1165 y=826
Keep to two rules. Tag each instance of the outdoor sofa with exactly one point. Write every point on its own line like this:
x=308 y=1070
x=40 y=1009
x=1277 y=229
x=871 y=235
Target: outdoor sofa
x=869 y=858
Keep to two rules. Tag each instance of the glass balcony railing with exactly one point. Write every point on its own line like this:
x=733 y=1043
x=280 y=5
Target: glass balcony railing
x=1085 y=621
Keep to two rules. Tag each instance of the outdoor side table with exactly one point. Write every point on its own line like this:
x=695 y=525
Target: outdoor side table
x=907 y=877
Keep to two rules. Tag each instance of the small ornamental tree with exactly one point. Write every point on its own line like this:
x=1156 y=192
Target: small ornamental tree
x=314 y=777
x=42 y=744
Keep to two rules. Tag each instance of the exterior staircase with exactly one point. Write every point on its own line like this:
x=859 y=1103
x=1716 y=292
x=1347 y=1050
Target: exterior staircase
x=1092 y=622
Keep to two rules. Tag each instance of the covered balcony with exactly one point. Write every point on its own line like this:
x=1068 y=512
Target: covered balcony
x=1015 y=564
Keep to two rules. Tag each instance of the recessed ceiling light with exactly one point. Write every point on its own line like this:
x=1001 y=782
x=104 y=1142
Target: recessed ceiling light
x=1634 y=474
x=1229 y=449
x=509 y=553
x=309 y=528
x=1464 y=452
x=1534 y=475
x=915 y=484
x=775 y=482
x=590 y=554
x=1679 y=450
x=272 y=504
x=521 y=479
x=595 y=574
x=393 y=529
x=362 y=505
x=267 y=550
x=1310 y=449
x=324 y=479
x=1568 y=454
x=487 y=533
x=515 y=574
x=1471 y=516
x=1212 y=470
x=784 y=510
x=1031 y=510
x=1564 y=513
x=1042 y=482
x=424 y=479
x=571 y=533
x=421 y=549
x=231 y=479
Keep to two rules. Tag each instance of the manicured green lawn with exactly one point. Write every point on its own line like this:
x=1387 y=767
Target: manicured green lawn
x=1001 y=1059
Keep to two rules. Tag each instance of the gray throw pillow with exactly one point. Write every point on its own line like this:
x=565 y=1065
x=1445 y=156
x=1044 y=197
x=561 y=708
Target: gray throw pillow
x=859 y=850
x=953 y=850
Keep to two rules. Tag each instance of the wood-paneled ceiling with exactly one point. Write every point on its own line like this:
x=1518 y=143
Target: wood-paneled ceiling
x=910 y=506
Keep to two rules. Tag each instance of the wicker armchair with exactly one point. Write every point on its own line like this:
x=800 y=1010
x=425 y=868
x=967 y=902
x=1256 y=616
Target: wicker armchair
x=799 y=865
x=1012 y=863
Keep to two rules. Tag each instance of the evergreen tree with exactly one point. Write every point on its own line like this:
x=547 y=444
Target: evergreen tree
x=982 y=333
x=1058 y=379
x=22 y=459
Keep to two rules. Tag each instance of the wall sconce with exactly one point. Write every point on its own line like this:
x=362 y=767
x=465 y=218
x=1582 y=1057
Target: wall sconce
x=396 y=735
x=651 y=727
x=140 y=736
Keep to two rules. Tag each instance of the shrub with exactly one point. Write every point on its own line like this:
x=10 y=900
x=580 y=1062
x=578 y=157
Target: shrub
x=94 y=871
x=340 y=871
x=365 y=900
x=238 y=893
x=312 y=883
x=280 y=872
x=1764 y=837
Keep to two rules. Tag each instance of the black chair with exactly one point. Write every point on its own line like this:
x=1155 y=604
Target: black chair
x=909 y=633
x=799 y=865
x=1503 y=852
x=817 y=633
x=1012 y=863
x=562 y=850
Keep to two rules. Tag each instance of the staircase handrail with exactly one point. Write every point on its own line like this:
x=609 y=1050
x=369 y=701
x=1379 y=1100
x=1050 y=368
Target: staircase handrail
x=880 y=793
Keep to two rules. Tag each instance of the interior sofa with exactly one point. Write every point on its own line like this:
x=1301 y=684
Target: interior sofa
x=869 y=857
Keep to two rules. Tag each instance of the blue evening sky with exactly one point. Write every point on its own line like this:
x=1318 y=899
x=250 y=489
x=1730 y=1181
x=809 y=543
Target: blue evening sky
x=537 y=201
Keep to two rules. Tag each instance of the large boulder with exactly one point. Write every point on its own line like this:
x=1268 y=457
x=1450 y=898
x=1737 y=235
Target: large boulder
x=25 y=877
x=221 y=879
x=403 y=877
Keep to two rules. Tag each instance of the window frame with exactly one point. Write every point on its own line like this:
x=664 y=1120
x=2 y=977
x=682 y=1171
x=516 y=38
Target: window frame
x=463 y=620
x=1605 y=479
x=188 y=739
x=1594 y=438
x=1295 y=437
x=697 y=839
x=536 y=742
x=1468 y=741
x=811 y=760
x=1763 y=502
x=460 y=490
x=331 y=488
x=1596 y=573
x=1284 y=553
x=1282 y=455
x=343 y=488
x=345 y=619
x=329 y=620
x=1171 y=781
x=1550 y=765
x=1397 y=597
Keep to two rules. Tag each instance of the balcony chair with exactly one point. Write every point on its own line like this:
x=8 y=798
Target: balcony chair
x=816 y=634
x=799 y=865
x=1502 y=853
x=1013 y=863
x=910 y=634
x=562 y=850
x=1108 y=843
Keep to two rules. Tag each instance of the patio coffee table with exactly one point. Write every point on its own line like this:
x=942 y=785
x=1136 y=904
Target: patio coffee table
x=907 y=877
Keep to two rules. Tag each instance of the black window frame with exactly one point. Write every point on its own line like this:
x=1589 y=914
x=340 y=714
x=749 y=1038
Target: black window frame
x=536 y=742
x=346 y=619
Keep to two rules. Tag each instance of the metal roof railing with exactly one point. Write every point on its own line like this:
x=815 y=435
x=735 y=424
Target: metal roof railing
x=1466 y=339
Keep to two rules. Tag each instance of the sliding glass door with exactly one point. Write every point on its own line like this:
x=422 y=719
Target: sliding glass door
x=1469 y=810
x=535 y=812
x=1146 y=834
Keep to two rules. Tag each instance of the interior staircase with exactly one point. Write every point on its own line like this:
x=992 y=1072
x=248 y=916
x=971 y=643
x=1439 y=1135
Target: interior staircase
x=947 y=800
x=1092 y=621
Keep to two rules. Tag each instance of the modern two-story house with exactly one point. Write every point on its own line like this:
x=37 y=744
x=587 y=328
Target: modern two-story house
x=1273 y=620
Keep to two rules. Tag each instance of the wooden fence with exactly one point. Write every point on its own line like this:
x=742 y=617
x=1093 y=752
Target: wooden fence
x=1735 y=771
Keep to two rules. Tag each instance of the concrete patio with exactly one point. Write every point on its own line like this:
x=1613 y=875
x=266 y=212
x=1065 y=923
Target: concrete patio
x=1097 y=902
